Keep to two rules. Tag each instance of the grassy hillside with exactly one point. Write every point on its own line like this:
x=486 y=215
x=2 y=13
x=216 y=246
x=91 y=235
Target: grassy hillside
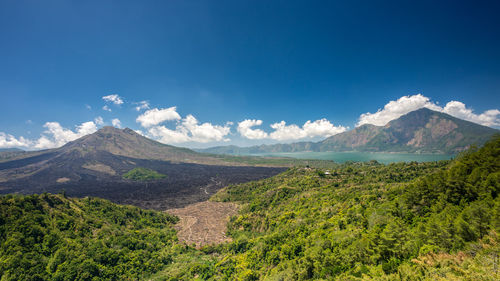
x=428 y=221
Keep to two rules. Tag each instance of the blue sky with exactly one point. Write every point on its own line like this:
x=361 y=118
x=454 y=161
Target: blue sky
x=227 y=62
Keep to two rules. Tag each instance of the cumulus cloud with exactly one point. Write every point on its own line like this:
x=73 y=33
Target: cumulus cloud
x=156 y=116
x=114 y=98
x=190 y=130
x=458 y=109
x=322 y=128
x=318 y=128
x=166 y=135
x=395 y=109
x=106 y=108
x=9 y=141
x=406 y=104
x=245 y=129
x=142 y=105
x=98 y=120
x=55 y=135
x=205 y=132
x=282 y=131
x=116 y=123
x=187 y=129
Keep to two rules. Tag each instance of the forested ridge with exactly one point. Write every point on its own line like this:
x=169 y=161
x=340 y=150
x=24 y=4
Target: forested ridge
x=414 y=221
x=356 y=221
x=50 y=237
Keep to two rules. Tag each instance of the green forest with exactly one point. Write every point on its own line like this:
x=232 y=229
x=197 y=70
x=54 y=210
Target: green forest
x=143 y=174
x=355 y=221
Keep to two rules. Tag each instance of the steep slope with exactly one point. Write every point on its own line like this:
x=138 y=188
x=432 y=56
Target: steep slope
x=11 y=153
x=95 y=164
x=130 y=144
x=51 y=237
x=422 y=131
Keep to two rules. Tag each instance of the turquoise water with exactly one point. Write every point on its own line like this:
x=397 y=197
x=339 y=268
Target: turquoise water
x=341 y=157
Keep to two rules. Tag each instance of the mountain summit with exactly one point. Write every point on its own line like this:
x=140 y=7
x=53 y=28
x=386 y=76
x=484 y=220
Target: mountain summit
x=421 y=131
x=97 y=165
x=128 y=143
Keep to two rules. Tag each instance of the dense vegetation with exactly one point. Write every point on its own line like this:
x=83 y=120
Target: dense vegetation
x=368 y=221
x=50 y=237
x=143 y=174
x=357 y=221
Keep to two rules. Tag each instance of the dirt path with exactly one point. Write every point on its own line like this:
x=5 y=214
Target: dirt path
x=204 y=223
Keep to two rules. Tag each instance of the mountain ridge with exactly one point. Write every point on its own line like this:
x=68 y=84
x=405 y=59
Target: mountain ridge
x=95 y=165
x=419 y=131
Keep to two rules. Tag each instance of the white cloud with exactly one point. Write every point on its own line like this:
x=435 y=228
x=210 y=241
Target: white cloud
x=205 y=132
x=322 y=128
x=9 y=141
x=142 y=105
x=98 y=120
x=106 y=108
x=56 y=135
x=286 y=132
x=116 y=123
x=156 y=116
x=88 y=107
x=114 y=98
x=282 y=132
x=165 y=135
x=188 y=129
x=458 y=109
x=406 y=104
x=246 y=131
x=395 y=109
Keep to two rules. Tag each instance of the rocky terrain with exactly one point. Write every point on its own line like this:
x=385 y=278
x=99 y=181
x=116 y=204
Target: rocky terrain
x=94 y=165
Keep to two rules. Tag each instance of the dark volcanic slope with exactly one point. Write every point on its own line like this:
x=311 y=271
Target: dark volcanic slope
x=422 y=130
x=94 y=165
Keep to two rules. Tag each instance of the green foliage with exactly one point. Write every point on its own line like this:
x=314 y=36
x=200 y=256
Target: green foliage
x=367 y=221
x=359 y=221
x=49 y=237
x=143 y=174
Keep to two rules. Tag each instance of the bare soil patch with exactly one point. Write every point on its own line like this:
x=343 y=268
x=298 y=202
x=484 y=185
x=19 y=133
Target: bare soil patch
x=62 y=180
x=204 y=223
x=98 y=167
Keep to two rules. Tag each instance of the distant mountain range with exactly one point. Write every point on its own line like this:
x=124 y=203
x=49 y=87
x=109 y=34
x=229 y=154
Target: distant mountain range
x=94 y=165
x=8 y=153
x=420 y=131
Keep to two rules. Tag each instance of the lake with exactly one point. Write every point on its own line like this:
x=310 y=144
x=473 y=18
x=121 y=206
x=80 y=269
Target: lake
x=341 y=157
